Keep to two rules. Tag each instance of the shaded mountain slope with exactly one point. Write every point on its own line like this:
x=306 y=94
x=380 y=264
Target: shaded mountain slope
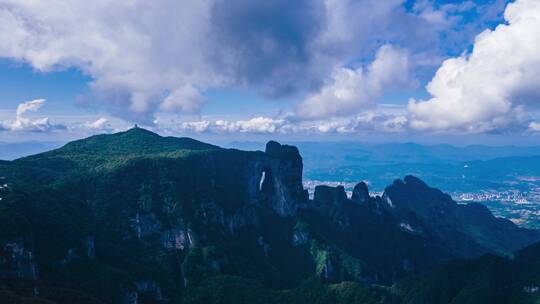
x=488 y=279
x=467 y=229
x=134 y=217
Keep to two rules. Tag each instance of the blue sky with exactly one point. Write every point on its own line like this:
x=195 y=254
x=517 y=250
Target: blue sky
x=229 y=70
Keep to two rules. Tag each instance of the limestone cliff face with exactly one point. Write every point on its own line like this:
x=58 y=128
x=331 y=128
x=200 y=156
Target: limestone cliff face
x=282 y=179
x=468 y=230
x=326 y=195
x=360 y=193
x=177 y=198
x=17 y=260
x=137 y=192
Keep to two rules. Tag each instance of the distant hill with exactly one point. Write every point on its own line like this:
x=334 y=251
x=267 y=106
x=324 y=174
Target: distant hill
x=443 y=166
x=351 y=153
x=134 y=217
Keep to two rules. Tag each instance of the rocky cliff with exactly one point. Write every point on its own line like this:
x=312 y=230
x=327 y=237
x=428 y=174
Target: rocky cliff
x=134 y=217
x=467 y=230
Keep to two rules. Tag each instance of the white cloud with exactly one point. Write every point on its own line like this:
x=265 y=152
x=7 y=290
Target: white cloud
x=254 y=125
x=101 y=123
x=195 y=126
x=134 y=51
x=491 y=88
x=351 y=91
x=258 y=125
x=149 y=56
x=365 y=122
x=186 y=99
x=534 y=127
x=30 y=106
x=23 y=123
x=443 y=17
x=368 y=121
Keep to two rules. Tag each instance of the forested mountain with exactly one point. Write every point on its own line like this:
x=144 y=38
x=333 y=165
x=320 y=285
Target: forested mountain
x=488 y=279
x=134 y=217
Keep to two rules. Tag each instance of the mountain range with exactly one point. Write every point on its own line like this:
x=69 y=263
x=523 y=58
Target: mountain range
x=455 y=169
x=134 y=217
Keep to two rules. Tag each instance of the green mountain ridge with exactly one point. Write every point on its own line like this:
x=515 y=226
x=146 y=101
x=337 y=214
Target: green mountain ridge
x=104 y=150
x=134 y=217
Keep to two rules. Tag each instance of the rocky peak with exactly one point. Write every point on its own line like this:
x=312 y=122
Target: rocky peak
x=360 y=193
x=329 y=195
x=278 y=150
x=281 y=179
x=413 y=181
x=413 y=194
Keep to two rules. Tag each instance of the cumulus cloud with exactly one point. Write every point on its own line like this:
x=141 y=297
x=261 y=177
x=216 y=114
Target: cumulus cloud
x=186 y=99
x=368 y=121
x=138 y=54
x=29 y=106
x=354 y=90
x=534 y=127
x=254 y=125
x=148 y=56
x=24 y=123
x=101 y=124
x=494 y=86
x=444 y=16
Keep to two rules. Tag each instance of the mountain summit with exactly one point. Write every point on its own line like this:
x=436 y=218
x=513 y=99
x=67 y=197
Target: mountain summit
x=135 y=141
x=108 y=151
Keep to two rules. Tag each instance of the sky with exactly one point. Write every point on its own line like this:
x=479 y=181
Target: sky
x=461 y=72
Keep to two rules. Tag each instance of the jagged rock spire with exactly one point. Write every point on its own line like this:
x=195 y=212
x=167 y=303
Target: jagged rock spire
x=329 y=195
x=360 y=193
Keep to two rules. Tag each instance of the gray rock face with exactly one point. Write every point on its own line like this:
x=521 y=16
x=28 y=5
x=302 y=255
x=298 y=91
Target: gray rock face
x=329 y=195
x=175 y=239
x=360 y=193
x=17 y=261
x=69 y=256
x=224 y=189
x=328 y=272
x=149 y=288
x=300 y=238
x=453 y=222
x=282 y=185
x=90 y=247
x=130 y=297
x=145 y=224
